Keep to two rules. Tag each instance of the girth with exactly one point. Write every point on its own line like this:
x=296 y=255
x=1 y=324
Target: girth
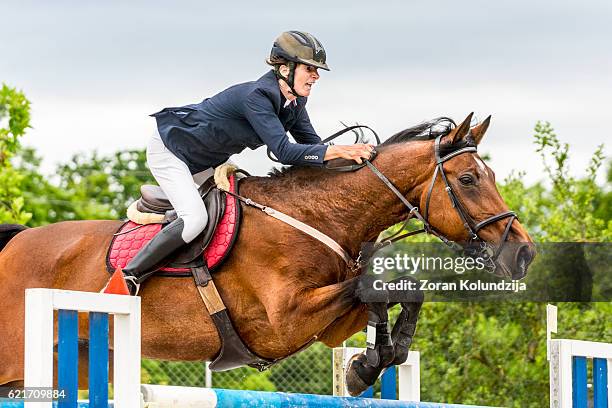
x=234 y=352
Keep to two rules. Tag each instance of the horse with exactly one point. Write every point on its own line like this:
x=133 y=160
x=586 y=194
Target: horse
x=282 y=288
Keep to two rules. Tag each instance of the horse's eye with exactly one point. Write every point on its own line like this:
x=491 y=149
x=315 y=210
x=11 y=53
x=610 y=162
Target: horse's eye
x=466 y=180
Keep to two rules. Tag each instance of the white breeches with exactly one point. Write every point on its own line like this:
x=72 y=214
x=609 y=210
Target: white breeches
x=180 y=186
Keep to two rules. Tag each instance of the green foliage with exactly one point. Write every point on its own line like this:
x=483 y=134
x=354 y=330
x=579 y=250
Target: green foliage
x=244 y=378
x=478 y=354
x=104 y=186
x=15 y=107
x=296 y=371
x=87 y=187
x=14 y=120
x=572 y=209
x=46 y=202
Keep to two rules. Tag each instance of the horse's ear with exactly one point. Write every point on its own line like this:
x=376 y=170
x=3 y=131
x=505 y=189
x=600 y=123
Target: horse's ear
x=479 y=130
x=463 y=129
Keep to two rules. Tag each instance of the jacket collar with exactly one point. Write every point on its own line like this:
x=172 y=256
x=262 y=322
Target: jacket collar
x=270 y=80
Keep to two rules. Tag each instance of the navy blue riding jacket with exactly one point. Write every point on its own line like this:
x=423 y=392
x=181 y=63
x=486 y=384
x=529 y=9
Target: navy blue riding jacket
x=250 y=115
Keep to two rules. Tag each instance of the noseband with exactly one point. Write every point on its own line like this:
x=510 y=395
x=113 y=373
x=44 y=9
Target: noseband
x=485 y=250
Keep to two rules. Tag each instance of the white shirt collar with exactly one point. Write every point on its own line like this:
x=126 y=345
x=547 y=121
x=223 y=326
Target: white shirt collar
x=287 y=102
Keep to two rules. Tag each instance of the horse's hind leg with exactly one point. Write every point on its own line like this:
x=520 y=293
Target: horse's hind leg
x=11 y=334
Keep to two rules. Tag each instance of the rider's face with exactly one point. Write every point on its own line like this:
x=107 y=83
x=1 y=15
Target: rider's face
x=305 y=78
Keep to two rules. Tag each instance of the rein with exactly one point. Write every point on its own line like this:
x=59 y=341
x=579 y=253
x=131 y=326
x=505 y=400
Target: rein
x=486 y=250
x=358 y=137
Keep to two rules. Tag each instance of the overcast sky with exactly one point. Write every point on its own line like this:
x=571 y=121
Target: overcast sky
x=95 y=70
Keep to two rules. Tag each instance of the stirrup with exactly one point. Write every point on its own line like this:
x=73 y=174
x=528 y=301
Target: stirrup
x=134 y=281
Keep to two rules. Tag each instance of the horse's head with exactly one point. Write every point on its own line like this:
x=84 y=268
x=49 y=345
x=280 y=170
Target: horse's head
x=456 y=192
x=462 y=203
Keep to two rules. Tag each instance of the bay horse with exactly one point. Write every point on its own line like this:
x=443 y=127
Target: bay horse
x=282 y=288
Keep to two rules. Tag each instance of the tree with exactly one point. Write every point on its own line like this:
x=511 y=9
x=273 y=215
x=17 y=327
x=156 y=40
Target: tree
x=14 y=121
x=87 y=187
x=572 y=209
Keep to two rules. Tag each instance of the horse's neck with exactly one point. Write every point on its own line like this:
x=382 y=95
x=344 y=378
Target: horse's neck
x=374 y=207
x=352 y=208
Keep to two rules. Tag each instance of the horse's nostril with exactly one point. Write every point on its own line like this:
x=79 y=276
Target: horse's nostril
x=524 y=256
x=527 y=253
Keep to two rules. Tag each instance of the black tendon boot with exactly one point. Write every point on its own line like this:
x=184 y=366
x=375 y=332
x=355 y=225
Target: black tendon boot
x=148 y=259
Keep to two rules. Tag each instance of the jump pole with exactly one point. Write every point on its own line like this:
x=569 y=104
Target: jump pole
x=164 y=396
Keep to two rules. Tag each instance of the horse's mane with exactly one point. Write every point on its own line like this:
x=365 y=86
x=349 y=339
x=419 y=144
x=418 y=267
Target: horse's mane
x=428 y=130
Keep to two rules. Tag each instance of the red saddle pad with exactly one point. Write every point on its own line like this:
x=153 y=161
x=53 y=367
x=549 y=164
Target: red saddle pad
x=131 y=237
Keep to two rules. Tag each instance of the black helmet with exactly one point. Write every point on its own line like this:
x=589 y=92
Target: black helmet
x=298 y=46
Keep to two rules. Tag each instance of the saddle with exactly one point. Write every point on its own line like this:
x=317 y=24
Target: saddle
x=153 y=211
x=154 y=201
x=204 y=254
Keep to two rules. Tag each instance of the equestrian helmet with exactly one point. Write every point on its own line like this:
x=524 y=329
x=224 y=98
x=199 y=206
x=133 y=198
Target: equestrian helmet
x=299 y=47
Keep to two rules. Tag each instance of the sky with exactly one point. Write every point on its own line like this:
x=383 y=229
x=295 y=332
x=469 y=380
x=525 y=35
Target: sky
x=95 y=70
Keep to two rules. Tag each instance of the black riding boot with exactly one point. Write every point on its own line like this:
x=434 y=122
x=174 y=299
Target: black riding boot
x=148 y=259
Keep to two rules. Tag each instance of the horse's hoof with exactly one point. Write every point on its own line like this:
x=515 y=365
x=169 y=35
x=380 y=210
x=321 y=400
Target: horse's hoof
x=401 y=355
x=355 y=384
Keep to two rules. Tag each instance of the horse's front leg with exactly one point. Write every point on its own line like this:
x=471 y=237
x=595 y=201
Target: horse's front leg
x=383 y=349
x=405 y=326
x=404 y=329
x=363 y=369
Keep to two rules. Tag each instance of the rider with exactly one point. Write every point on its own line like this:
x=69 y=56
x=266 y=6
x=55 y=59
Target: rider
x=194 y=138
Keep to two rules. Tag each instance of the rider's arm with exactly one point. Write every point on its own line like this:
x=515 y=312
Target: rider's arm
x=259 y=111
x=302 y=130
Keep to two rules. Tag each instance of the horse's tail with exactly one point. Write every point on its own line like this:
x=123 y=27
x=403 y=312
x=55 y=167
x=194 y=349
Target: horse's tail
x=8 y=231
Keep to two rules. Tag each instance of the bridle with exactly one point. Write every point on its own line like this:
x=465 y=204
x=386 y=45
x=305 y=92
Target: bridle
x=484 y=249
x=468 y=222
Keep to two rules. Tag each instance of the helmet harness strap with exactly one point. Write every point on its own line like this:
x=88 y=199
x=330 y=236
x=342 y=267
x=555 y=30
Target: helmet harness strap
x=289 y=80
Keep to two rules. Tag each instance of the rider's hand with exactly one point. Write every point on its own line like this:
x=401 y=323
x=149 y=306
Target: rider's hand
x=356 y=152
